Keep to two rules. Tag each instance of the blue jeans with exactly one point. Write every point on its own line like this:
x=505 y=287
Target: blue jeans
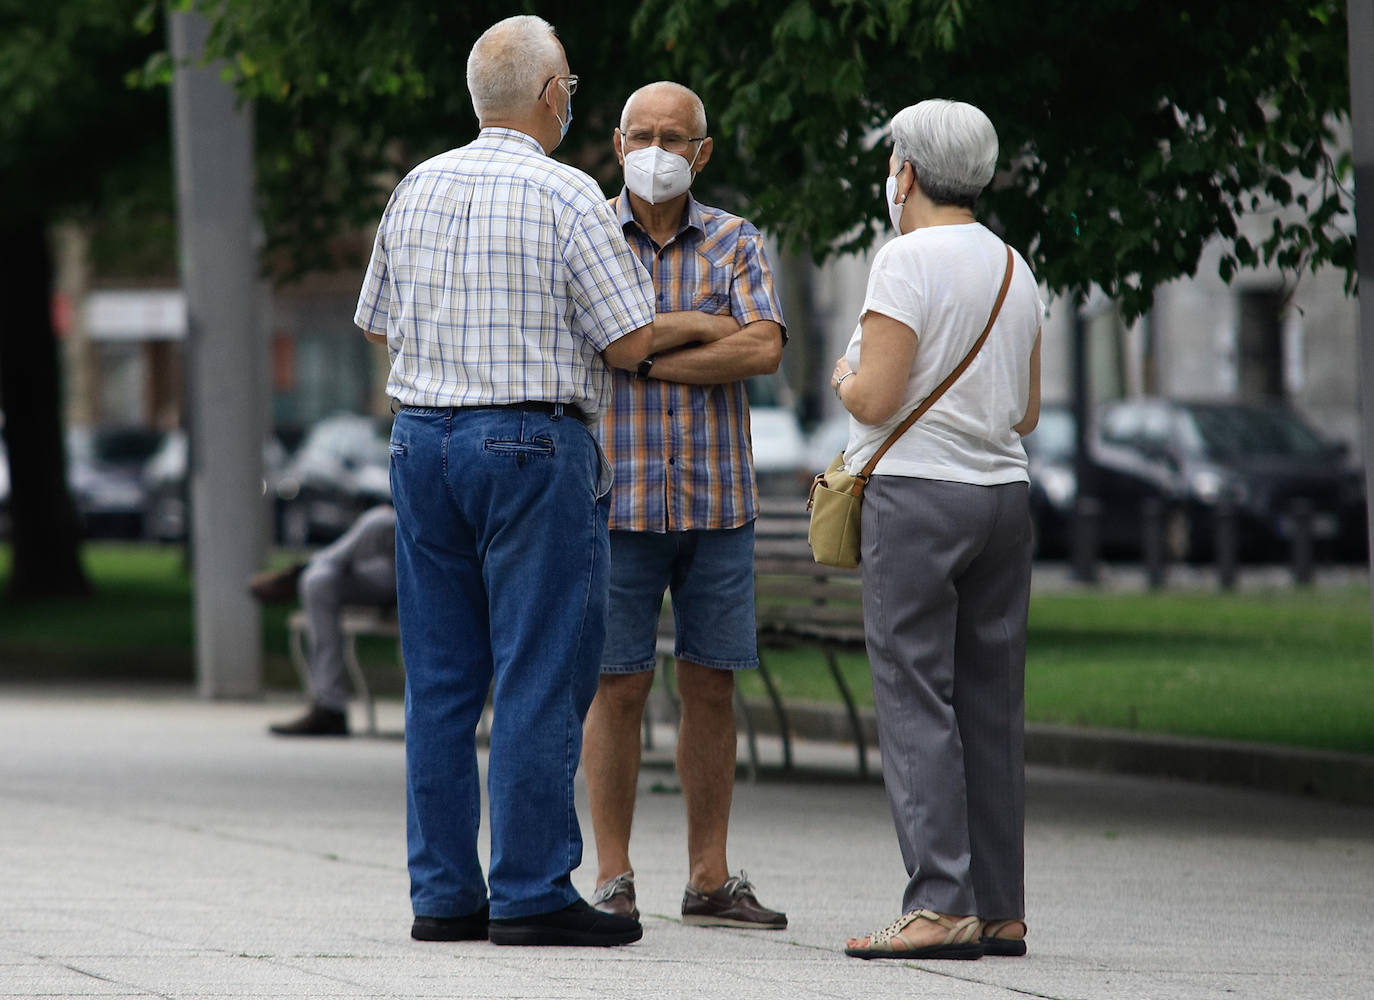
x=501 y=570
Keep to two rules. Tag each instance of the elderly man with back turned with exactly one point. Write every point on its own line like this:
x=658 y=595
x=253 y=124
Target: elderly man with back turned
x=685 y=501
x=503 y=288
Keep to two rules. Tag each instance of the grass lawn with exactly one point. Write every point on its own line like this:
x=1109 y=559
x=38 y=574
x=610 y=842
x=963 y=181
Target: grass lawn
x=1287 y=666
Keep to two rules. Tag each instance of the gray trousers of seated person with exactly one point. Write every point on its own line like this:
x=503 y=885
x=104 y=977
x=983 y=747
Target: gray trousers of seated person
x=358 y=568
x=946 y=583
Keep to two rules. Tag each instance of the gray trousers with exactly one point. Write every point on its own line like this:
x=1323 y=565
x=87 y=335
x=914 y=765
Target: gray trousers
x=946 y=582
x=358 y=568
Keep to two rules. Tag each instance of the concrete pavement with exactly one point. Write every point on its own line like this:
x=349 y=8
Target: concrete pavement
x=156 y=845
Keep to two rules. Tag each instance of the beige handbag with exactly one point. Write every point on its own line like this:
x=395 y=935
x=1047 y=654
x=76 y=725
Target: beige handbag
x=836 y=495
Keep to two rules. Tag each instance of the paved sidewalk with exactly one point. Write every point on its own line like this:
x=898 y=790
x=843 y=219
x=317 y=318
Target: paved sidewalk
x=153 y=845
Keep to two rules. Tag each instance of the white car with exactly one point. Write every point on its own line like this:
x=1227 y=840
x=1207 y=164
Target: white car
x=780 y=463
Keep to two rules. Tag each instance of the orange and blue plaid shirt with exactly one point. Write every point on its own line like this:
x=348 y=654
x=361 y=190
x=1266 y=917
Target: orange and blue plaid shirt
x=682 y=453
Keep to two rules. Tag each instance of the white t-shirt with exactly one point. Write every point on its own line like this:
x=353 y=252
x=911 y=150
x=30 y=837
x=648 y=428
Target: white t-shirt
x=942 y=282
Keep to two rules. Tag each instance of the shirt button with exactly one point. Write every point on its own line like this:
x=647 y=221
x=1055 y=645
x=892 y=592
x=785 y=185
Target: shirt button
x=670 y=413
x=672 y=461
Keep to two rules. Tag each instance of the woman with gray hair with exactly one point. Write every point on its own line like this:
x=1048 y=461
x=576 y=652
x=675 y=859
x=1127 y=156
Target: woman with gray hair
x=951 y=312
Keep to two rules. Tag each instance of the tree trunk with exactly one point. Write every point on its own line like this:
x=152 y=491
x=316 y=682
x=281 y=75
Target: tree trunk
x=45 y=532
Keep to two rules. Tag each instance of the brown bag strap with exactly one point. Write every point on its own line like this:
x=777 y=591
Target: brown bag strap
x=940 y=389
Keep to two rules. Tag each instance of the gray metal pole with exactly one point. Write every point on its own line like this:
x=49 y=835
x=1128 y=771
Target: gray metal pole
x=1360 y=24
x=225 y=365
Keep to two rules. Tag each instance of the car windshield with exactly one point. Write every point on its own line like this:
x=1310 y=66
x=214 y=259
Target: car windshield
x=1230 y=432
x=114 y=445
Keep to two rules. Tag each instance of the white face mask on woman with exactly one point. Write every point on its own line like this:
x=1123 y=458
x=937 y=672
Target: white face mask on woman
x=657 y=175
x=894 y=209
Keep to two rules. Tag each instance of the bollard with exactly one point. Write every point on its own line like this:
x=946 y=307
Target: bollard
x=1301 y=541
x=1227 y=545
x=1087 y=517
x=1152 y=542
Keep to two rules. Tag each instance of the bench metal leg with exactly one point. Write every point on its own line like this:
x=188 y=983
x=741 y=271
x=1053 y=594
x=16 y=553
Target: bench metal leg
x=784 y=727
x=360 y=688
x=855 y=726
x=296 y=642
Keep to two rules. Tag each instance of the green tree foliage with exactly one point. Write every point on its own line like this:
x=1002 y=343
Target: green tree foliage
x=1131 y=133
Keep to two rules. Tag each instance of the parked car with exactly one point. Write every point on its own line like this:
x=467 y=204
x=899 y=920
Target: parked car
x=341 y=468
x=1053 y=481
x=105 y=476
x=1192 y=458
x=779 y=447
x=1261 y=461
x=166 y=484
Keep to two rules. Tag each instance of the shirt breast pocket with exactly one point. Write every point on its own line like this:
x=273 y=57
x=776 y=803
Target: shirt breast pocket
x=715 y=302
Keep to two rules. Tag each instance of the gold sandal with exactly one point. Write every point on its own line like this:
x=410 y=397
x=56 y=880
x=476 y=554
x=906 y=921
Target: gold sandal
x=960 y=941
x=995 y=944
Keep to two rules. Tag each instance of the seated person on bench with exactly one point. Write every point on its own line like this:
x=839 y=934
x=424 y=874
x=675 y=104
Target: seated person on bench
x=358 y=568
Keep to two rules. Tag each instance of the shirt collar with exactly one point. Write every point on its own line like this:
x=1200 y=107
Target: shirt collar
x=691 y=219
x=505 y=135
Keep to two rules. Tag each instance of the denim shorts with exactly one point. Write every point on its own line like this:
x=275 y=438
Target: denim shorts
x=710 y=575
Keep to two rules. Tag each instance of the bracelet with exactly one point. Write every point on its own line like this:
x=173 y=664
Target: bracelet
x=840 y=381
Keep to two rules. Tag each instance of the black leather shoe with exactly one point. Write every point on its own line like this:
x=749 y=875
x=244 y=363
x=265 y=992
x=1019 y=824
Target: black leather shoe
x=319 y=721
x=575 y=925
x=473 y=927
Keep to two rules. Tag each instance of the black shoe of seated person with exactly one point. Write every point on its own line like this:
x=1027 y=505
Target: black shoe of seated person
x=578 y=925
x=318 y=721
x=472 y=927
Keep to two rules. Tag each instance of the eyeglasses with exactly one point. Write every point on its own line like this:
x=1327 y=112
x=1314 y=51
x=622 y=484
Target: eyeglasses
x=569 y=81
x=670 y=141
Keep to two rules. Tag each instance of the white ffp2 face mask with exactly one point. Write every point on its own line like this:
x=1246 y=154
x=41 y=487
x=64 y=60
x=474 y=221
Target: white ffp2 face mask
x=656 y=175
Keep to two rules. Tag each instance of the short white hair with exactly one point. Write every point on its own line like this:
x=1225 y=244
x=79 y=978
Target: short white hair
x=509 y=63
x=698 y=123
x=951 y=145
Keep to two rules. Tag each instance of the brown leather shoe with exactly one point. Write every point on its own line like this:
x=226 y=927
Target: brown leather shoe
x=732 y=905
x=617 y=895
x=276 y=586
x=318 y=721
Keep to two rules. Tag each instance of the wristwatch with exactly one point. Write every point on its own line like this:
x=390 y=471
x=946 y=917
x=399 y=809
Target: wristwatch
x=642 y=372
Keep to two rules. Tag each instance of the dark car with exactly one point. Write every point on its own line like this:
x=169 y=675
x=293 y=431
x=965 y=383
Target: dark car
x=341 y=468
x=105 y=476
x=1261 y=462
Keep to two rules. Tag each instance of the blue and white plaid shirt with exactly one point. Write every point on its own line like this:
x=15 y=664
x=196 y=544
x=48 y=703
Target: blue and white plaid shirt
x=498 y=276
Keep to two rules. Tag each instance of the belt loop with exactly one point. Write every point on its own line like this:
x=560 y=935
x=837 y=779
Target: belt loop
x=557 y=411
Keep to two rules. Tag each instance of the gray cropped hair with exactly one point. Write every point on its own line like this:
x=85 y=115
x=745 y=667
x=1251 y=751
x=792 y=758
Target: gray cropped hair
x=951 y=145
x=698 y=109
x=508 y=64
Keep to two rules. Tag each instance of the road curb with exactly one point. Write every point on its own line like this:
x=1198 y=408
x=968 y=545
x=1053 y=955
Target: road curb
x=1327 y=775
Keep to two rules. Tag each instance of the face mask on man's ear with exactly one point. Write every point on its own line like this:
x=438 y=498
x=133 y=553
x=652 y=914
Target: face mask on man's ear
x=563 y=125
